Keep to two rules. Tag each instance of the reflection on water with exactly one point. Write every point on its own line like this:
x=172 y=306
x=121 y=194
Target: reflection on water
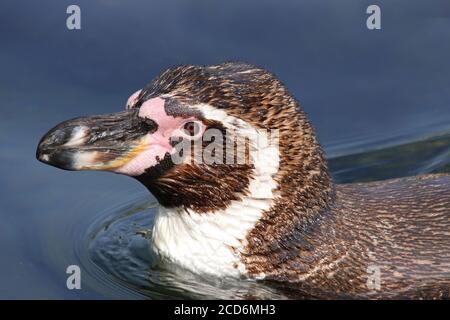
x=116 y=242
x=425 y=156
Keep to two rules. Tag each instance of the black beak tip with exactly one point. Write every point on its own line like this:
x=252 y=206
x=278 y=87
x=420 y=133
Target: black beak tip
x=39 y=155
x=40 y=150
x=54 y=156
x=62 y=160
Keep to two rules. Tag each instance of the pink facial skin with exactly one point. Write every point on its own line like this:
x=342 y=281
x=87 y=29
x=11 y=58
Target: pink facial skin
x=132 y=99
x=158 y=143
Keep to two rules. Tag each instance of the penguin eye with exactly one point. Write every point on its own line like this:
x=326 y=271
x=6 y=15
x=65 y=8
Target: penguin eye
x=192 y=128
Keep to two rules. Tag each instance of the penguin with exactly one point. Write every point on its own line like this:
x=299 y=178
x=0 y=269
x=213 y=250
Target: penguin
x=245 y=191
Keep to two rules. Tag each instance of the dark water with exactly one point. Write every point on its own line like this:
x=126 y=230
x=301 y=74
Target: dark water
x=380 y=101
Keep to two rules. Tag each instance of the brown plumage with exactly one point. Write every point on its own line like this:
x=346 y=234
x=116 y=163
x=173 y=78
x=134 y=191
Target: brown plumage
x=325 y=240
x=400 y=227
x=386 y=239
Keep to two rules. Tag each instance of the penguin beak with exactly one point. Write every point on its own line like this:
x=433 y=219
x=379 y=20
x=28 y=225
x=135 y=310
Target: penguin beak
x=104 y=142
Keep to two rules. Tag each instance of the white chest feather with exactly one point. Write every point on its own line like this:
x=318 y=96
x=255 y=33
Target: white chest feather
x=207 y=243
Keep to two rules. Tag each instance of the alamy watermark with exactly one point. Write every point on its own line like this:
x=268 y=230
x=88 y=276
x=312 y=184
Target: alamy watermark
x=73 y=21
x=373 y=271
x=374 y=20
x=230 y=146
x=74 y=279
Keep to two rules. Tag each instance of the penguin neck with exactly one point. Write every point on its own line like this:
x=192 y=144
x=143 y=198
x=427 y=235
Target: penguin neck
x=285 y=192
x=306 y=194
x=212 y=242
